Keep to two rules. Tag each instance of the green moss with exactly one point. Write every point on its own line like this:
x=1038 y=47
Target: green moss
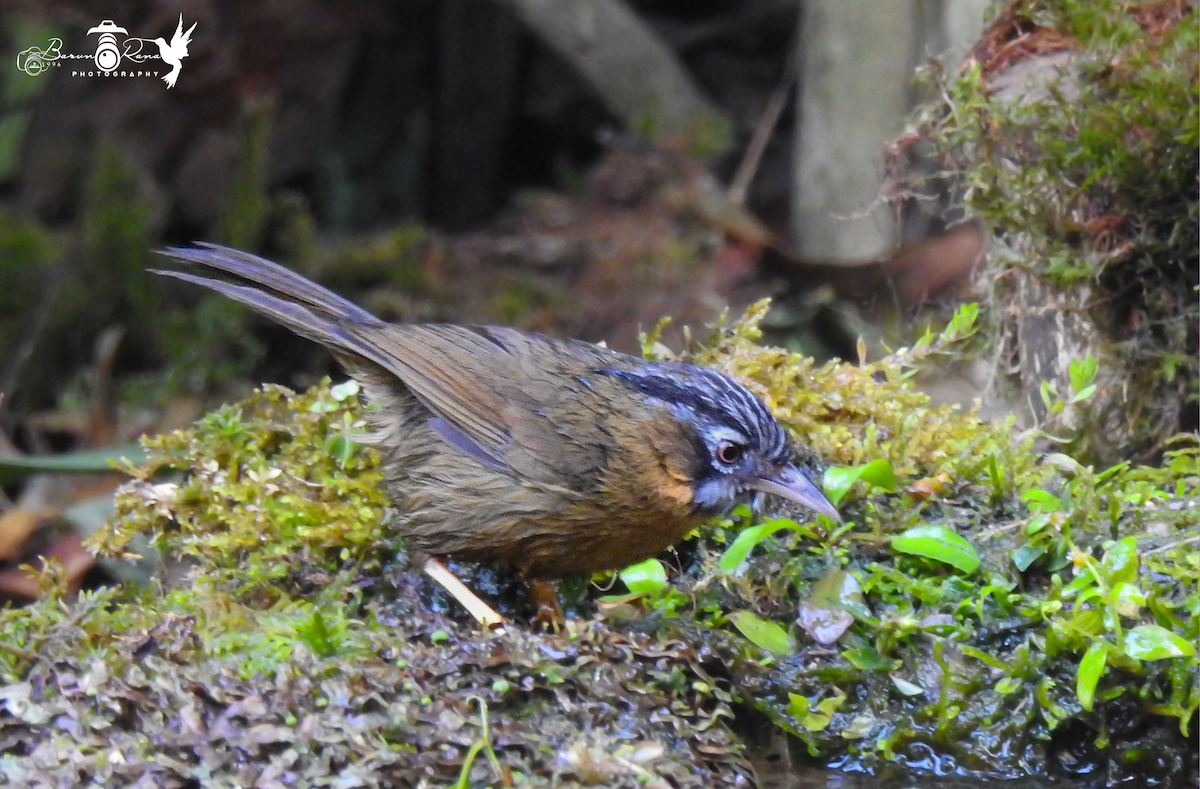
x=1082 y=160
x=118 y=222
x=210 y=344
x=1114 y=138
x=284 y=602
x=67 y=302
x=117 y=225
x=398 y=256
x=1072 y=557
x=274 y=487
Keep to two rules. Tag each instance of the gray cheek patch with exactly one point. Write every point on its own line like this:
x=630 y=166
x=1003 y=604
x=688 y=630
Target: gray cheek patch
x=715 y=494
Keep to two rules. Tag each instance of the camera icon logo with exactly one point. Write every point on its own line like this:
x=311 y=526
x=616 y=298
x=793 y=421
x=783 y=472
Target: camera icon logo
x=35 y=60
x=108 y=54
x=31 y=61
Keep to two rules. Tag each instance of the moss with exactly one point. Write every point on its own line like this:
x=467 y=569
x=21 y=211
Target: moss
x=117 y=225
x=272 y=487
x=1072 y=559
x=211 y=344
x=283 y=619
x=520 y=297
x=1073 y=132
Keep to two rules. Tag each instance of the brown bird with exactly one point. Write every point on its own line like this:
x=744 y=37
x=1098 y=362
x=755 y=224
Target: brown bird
x=557 y=457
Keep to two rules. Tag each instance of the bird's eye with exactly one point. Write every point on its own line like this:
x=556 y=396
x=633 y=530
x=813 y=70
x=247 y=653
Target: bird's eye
x=728 y=452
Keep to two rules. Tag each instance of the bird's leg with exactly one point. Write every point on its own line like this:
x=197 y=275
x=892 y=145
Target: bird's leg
x=545 y=597
x=482 y=612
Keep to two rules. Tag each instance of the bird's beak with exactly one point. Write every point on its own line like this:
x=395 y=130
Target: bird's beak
x=794 y=485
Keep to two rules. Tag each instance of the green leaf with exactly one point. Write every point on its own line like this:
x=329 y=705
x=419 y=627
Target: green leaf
x=867 y=659
x=816 y=721
x=1007 y=685
x=940 y=543
x=1126 y=599
x=1026 y=555
x=1155 y=642
x=1042 y=500
x=89 y=462
x=316 y=635
x=995 y=475
x=1091 y=668
x=342 y=450
x=1121 y=560
x=879 y=473
x=345 y=390
x=985 y=657
x=1048 y=392
x=1087 y=622
x=818 y=718
x=763 y=632
x=1082 y=373
x=735 y=555
x=962 y=325
x=797 y=705
x=1066 y=463
x=839 y=479
x=645 y=577
x=1036 y=524
x=1083 y=394
x=1060 y=557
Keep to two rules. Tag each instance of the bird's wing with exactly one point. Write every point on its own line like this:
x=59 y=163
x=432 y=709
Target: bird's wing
x=496 y=394
x=445 y=367
x=497 y=388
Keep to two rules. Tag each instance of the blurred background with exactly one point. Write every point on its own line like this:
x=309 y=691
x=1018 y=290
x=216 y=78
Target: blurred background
x=580 y=169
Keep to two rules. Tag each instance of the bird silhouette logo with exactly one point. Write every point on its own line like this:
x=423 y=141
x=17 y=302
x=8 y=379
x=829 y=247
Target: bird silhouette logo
x=173 y=54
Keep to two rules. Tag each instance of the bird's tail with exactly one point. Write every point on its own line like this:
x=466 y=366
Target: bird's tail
x=282 y=295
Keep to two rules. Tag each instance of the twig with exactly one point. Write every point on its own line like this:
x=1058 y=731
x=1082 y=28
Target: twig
x=482 y=612
x=1170 y=545
x=763 y=131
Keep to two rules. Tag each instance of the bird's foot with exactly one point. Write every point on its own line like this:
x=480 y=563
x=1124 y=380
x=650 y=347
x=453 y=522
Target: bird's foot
x=544 y=596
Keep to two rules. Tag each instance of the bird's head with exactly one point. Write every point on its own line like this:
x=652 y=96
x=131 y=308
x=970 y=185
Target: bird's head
x=739 y=447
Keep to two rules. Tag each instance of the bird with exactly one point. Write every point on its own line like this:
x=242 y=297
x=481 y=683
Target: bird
x=174 y=53
x=554 y=456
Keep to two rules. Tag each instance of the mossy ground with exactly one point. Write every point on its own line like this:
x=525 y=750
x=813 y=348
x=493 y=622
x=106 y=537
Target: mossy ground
x=286 y=640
